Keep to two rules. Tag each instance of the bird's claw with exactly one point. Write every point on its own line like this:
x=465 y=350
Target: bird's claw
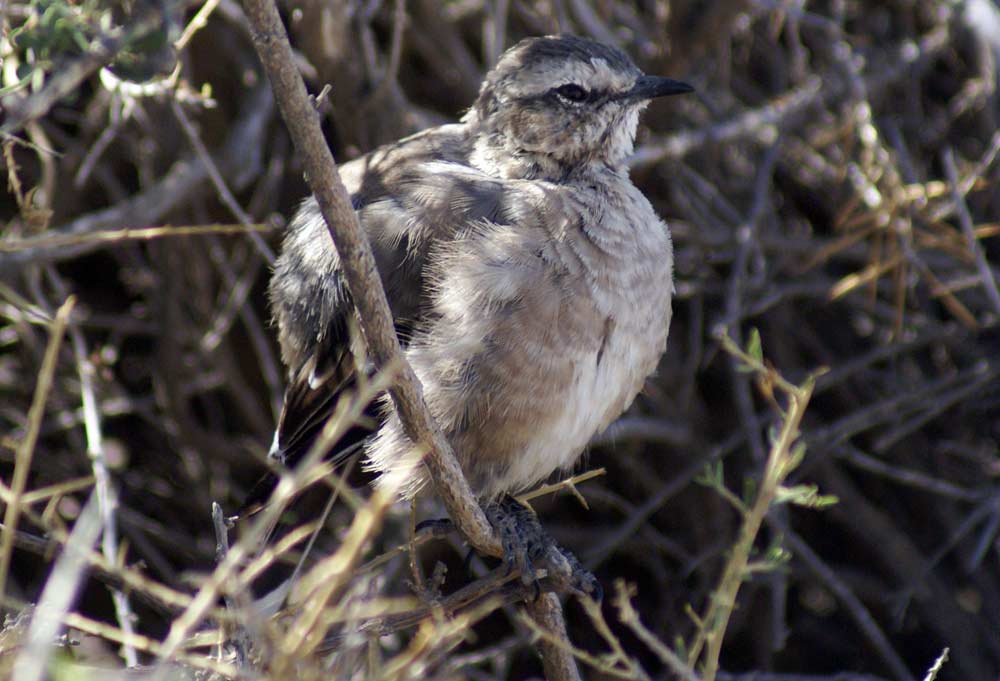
x=435 y=527
x=526 y=544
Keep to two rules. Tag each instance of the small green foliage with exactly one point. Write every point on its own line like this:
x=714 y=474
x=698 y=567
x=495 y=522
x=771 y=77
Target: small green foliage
x=754 y=348
x=149 y=55
x=796 y=455
x=804 y=495
x=749 y=490
x=776 y=555
x=754 y=354
x=773 y=433
x=680 y=647
x=711 y=475
x=57 y=30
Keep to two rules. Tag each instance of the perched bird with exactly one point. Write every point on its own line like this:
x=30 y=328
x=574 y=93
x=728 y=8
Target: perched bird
x=529 y=279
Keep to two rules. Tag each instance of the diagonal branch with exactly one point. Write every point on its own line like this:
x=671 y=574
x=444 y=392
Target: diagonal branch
x=360 y=272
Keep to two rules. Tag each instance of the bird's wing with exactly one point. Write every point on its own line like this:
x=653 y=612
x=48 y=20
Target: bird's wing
x=412 y=198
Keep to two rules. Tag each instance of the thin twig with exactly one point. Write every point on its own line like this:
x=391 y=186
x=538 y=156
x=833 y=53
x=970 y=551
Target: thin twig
x=241 y=638
x=107 y=498
x=239 y=160
x=112 y=236
x=965 y=220
x=630 y=618
x=26 y=449
x=225 y=195
x=781 y=459
x=60 y=592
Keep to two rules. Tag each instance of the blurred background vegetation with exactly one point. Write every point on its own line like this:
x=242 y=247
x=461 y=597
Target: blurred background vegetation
x=833 y=183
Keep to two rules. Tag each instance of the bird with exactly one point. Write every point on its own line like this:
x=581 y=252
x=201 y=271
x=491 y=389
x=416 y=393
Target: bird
x=529 y=279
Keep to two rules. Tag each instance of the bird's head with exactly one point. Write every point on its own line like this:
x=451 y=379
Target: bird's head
x=566 y=101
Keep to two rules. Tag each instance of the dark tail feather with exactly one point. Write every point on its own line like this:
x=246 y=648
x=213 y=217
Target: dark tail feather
x=261 y=491
x=308 y=404
x=257 y=498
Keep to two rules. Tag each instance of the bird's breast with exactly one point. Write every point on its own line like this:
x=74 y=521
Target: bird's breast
x=625 y=307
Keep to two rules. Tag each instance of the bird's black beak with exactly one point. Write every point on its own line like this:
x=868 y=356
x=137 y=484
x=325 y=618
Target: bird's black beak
x=651 y=87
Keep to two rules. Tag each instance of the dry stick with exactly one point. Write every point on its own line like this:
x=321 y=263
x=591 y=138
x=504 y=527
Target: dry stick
x=113 y=236
x=498 y=587
x=557 y=659
x=240 y=635
x=161 y=598
x=792 y=103
x=239 y=158
x=239 y=289
x=59 y=593
x=198 y=22
x=290 y=484
x=361 y=273
x=938 y=664
x=323 y=585
x=215 y=175
x=905 y=476
x=107 y=498
x=22 y=461
x=116 y=576
x=363 y=282
x=965 y=220
x=185 y=661
x=628 y=616
x=395 y=53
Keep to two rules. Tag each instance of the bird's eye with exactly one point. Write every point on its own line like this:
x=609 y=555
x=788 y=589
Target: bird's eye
x=572 y=92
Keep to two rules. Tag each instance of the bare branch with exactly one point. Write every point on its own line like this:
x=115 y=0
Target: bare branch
x=361 y=273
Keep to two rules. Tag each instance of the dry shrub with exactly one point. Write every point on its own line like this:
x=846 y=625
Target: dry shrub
x=833 y=184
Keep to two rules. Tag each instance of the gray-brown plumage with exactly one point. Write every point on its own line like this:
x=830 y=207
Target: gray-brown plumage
x=530 y=280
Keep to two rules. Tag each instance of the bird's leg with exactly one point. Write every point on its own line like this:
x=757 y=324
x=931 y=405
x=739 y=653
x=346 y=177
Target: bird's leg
x=526 y=543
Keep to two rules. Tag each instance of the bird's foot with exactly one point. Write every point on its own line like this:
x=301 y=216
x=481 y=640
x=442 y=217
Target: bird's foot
x=526 y=545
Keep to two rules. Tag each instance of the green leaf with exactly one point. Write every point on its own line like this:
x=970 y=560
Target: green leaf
x=15 y=86
x=796 y=456
x=680 y=647
x=773 y=433
x=711 y=476
x=749 y=490
x=754 y=348
x=805 y=495
x=776 y=554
